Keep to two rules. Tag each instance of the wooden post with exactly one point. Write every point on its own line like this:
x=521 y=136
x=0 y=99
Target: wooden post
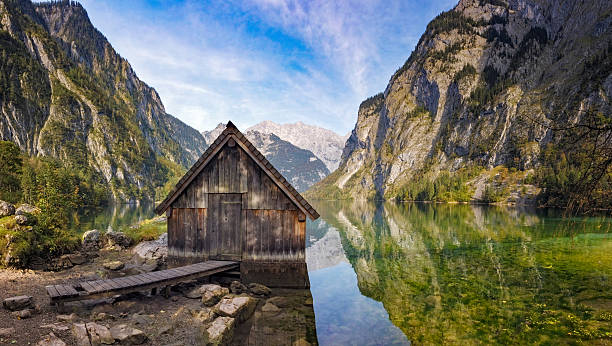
x=153 y=291
x=167 y=291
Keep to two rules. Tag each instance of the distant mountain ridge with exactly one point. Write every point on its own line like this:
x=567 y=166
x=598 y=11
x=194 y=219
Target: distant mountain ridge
x=300 y=167
x=325 y=144
x=69 y=95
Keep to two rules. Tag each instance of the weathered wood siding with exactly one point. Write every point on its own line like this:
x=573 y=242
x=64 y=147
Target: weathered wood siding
x=233 y=210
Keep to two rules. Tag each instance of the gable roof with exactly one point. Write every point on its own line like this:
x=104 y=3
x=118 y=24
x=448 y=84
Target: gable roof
x=231 y=131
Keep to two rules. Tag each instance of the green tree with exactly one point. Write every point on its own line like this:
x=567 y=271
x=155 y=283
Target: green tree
x=10 y=171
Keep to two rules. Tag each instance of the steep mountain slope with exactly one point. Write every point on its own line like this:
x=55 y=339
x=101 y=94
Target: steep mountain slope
x=325 y=144
x=491 y=83
x=299 y=166
x=67 y=94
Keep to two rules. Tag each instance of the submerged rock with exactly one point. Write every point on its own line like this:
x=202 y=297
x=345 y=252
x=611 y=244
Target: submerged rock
x=259 y=289
x=237 y=287
x=219 y=332
x=17 y=303
x=6 y=209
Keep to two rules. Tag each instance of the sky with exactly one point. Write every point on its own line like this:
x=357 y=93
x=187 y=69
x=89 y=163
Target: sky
x=280 y=60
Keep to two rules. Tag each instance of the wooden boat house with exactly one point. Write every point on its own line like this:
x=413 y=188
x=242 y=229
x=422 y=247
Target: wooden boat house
x=234 y=205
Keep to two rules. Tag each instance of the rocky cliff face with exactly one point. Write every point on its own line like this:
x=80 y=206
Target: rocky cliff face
x=301 y=167
x=485 y=86
x=67 y=94
x=325 y=144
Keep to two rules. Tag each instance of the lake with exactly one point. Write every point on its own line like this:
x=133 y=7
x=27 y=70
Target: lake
x=395 y=274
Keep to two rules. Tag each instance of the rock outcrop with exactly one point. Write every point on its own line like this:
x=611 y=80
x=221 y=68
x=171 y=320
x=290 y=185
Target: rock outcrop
x=485 y=86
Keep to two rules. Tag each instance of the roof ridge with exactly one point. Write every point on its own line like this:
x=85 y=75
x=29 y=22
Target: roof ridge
x=232 y=130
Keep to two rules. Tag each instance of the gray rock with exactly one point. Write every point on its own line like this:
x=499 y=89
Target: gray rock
x=237 y=287
x=114 y=265
x=126 y=334
x=212 y=293
x=76 y=258
x=117 y=239
x=27 y=209
x=154 y=249
x=6 y=332
x=219 y=332
x=259 y=289
x=204 y=315
x=67 y=318
x=241 y=307
x=99 y=334
x=6 y=209
x=50 y=340
x=92 y=240
x=269 y=307
x=17 y=303
x=79 y=331
x=21 y=220
x=61 y=263
x=22 y=314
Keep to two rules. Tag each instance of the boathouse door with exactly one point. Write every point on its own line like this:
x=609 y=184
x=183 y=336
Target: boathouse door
x=224 y=225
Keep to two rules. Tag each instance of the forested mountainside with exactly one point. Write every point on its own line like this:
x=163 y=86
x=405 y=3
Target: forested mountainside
x=66 y=94
x=301 y=167
x=499 y=101
x=325 y=144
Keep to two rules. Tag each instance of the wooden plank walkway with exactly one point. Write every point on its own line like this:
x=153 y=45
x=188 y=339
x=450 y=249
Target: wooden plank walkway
x=111 y=287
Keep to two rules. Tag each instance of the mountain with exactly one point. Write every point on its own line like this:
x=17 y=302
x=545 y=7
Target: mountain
x=301 y=167
x=325 y=144
x=67 y=94
x=499 y=101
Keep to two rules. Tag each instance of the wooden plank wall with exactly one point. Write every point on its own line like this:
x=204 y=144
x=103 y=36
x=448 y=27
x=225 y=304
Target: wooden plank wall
x=267 y=227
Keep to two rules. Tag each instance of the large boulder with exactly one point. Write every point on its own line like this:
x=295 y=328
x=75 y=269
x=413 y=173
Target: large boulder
x=79 y=331
x=17 y=303
x=27 y=209
x=153 y=249
x=240 y=308
x=6 y=209
x=99 y=334
x=128 y=335
x=92 y=241
x=117 y=239
x=219 y=332
x=210 y=293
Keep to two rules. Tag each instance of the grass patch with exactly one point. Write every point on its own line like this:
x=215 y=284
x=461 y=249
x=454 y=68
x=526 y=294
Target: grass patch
x=147 y=230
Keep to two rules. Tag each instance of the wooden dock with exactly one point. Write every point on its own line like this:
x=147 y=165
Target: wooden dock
x=153 y=280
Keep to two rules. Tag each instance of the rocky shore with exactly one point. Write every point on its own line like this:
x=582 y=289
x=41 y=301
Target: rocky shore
x=214 y=311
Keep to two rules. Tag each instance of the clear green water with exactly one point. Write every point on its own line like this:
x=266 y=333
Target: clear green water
x=114 y=216
x=386 y=273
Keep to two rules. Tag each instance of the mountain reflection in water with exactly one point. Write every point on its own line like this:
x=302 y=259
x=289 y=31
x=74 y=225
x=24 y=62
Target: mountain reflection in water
x=387 y=273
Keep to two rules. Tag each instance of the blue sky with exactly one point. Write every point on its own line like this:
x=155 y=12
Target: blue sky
x=280 y=60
